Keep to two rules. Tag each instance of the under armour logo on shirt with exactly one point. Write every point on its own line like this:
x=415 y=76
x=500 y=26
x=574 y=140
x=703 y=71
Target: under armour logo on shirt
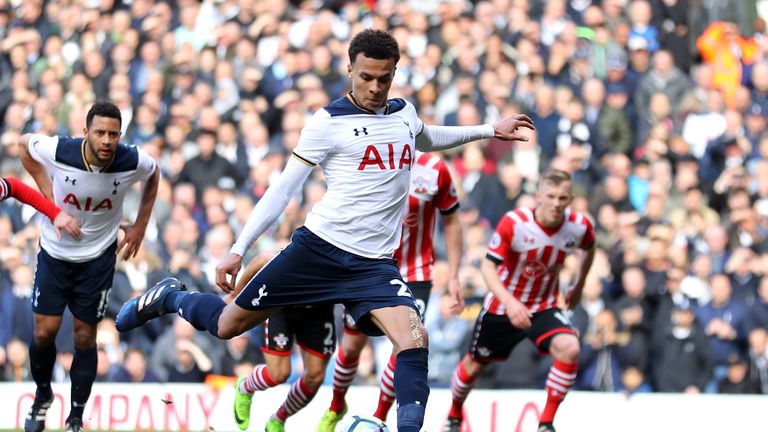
x=363 y=131
x=68 y=180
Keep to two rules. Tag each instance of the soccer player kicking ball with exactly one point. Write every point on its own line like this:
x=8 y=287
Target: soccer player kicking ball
x=364 y=143
x=522 y=269
x=87 y=176
x=314 y=330
x=431 y=190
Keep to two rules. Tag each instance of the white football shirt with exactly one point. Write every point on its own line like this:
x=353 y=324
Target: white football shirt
x=366 y=158
x=93 y=195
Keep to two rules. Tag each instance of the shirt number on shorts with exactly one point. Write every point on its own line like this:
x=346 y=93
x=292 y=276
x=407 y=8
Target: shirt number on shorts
x=329 y=338
x=103 y=303
x=403 y=291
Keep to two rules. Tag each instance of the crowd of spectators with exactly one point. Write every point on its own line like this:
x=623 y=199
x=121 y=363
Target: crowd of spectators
x=657 y=107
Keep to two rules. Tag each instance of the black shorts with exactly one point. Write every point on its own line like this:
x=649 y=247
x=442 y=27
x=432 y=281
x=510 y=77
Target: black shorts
x=82 y=286
x=495 y=336
x=309 y=270
x=312 y=327
x=421 y=291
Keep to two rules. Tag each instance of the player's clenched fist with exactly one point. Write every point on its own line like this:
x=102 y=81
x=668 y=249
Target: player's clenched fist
x=226 y=272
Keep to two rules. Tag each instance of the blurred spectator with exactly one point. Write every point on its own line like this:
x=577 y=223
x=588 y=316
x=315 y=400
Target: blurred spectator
x=758 y=358
x=682 y=360
x=738 y=381
x=448 y=337
x=17 y=367
x=134 y=369
x=602 y=360
x=724 y=321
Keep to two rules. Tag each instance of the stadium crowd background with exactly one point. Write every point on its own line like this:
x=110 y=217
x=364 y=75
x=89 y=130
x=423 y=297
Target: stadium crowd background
x=658 y=108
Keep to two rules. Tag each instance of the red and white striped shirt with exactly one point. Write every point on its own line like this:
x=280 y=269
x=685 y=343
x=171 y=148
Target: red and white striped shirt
x=431 y=189
x=531 y=256
x=5 y=190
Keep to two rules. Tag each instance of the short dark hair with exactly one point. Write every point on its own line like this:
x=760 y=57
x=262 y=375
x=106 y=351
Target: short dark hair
x=375 y=44
x=554 y=177
x=103 y=109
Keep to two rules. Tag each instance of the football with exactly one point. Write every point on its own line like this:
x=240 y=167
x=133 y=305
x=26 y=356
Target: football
x=357 y=423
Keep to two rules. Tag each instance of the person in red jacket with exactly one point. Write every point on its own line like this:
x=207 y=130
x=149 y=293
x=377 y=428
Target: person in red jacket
x=11 y=187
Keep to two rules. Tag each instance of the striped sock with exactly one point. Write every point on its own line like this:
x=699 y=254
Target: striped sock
x=560 y=379
x=299 y=396
x=387 y=391
x=461 y=385
x=258 y=380
x=343 y=375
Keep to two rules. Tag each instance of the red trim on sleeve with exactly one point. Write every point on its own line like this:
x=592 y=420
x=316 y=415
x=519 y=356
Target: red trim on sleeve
x=29 y=196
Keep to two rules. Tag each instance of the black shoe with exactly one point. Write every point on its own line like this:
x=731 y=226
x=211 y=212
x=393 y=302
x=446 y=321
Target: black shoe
x=545 y=427
x=74 y=425
x=35 y=421
x=453 y=424
x=147 y=306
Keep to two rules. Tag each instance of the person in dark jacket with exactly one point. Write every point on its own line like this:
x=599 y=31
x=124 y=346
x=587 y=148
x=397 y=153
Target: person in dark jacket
x=208 y=168
x=681 y=353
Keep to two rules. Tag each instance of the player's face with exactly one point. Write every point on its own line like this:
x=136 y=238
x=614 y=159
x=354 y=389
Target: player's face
x=102 y=138
x=552 y=201
x=371 y=80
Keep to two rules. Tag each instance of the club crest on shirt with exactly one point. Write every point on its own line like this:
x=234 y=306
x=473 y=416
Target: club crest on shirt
x=534 y=268
x=420 y=185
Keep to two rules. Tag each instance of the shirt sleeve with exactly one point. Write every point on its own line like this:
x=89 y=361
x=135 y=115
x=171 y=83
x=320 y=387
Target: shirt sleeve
x=42 y=148
x=501 y=240
x=588 y=239
x=146 y=166
x=446 y=199
x=316 y=139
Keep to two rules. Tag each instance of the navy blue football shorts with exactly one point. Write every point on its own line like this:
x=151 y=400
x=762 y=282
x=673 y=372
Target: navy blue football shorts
x=82 y=286
x=312 y=271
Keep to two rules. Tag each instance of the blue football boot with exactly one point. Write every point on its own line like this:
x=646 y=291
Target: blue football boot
x=147 y=306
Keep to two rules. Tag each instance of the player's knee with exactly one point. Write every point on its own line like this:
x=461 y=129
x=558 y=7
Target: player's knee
x=472 y=366
x=353 y=345
x=45 y=336
x=566 y=348
x=85 y=339
x=228 y=329
x=280 y=375
x=313 y=378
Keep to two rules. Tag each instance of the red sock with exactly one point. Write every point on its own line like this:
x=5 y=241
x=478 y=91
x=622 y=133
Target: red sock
x=343 y=375
x=299 y=396
x=461 y=385
x=387 y=391
x=560 y=379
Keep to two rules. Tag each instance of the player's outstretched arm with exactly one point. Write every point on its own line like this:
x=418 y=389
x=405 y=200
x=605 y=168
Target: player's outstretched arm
x=435 y=138
x=35 y=168
x=573 y=296
x=266 y=212
x=61 y=220
x=134 y=234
